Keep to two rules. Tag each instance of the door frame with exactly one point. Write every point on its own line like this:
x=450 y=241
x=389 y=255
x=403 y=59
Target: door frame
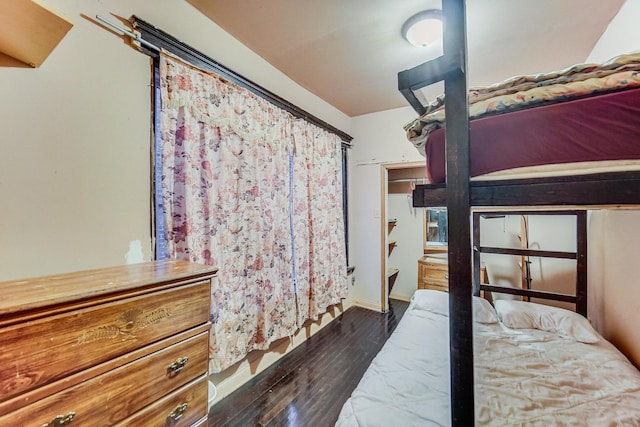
x=404 y=170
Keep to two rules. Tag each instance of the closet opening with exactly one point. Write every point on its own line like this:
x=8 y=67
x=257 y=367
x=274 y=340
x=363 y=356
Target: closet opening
x=401 y=230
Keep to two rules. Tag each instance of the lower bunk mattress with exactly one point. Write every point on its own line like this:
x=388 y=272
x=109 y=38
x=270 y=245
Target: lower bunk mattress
x=523 y=377
x=597 y=128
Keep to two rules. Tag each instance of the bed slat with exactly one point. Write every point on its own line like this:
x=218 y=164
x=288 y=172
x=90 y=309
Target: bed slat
x=604 y=189
x=527 y=252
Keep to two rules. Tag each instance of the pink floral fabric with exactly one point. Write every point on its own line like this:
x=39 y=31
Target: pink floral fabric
x=226 y=201
x=320 y=257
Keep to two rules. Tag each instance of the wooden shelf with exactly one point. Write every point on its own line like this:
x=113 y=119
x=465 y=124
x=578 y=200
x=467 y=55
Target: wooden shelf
x=29 y=33
x=392 y=245
x=391 y=224
x=392 y=275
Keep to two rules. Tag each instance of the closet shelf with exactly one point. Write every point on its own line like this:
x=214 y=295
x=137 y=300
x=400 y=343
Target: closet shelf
x=392 y=245
x=390 y=224
x=29 y=33
x=392 y=275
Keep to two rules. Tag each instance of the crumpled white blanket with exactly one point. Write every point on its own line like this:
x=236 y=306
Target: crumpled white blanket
x=522 y=378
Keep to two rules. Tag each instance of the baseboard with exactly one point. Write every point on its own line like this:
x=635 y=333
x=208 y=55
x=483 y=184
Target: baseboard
x=400 y=297
x=375 y=306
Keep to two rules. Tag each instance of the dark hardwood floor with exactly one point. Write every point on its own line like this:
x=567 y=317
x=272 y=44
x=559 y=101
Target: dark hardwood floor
x=309 y=385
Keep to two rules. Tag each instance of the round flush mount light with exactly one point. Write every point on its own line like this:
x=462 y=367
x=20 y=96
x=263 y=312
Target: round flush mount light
x=423 y=28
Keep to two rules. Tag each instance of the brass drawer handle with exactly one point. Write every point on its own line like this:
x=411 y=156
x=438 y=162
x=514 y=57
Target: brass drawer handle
x=178 y=365
x=60 y=420
x=178 y=412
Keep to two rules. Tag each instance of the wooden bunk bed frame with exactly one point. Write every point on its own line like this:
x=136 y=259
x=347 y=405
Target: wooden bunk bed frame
x=579 y=298
x=459 y=195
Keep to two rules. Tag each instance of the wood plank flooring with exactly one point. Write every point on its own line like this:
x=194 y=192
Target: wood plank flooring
x=308 y=386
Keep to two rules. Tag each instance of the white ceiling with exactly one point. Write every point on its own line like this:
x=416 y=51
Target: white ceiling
x=348 y=52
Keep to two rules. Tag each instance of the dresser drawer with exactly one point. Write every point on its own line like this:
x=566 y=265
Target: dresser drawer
x=433 y=273
x=113 y=396
x=184 y=407
x=38 y=352
x=436 y=272
x=437 y=286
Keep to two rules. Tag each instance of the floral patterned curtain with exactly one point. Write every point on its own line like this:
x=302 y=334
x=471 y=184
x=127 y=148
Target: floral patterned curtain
x=228 y=164
x=318 y=221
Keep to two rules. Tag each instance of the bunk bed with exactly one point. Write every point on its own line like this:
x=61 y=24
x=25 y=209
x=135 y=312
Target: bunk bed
x=534 y=364
x=390 y=392
x=578 y=128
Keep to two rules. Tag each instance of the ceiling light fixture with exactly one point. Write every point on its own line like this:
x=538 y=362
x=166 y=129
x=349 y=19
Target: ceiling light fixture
x=423 y=28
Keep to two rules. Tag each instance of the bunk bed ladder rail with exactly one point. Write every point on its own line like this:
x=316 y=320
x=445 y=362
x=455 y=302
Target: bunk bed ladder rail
x=452 y=68
x=580 y=255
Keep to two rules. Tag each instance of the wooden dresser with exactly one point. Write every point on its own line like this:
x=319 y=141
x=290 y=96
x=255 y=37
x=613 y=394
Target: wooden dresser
x=124 y=346
x=433 y=272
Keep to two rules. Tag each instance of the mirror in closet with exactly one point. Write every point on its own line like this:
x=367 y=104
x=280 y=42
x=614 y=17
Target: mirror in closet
x=435 y=231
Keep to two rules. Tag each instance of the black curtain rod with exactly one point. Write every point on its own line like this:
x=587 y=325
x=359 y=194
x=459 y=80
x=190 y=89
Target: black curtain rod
x=163 y=40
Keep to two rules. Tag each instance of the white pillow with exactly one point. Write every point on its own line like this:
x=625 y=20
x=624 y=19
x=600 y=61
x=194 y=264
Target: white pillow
x=438 y=302
x=529 y=315
x=483 y=311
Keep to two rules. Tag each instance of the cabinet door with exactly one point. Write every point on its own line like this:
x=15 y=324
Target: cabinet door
x=436 y=276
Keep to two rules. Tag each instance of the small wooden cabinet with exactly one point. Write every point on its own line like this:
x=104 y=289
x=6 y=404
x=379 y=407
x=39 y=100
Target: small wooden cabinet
x=117 y=346
x=433 y=272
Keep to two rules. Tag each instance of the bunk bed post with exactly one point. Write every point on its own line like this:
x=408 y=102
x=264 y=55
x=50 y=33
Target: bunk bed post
x=476 y=253
x=581 y=257
x=459 y=215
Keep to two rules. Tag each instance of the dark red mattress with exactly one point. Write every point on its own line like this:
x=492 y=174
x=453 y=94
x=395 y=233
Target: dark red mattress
x=603 y=127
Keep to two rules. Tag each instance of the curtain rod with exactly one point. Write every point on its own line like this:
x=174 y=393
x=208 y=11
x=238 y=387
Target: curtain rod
x=126 y=32
x=170 y=43
x=157 y=37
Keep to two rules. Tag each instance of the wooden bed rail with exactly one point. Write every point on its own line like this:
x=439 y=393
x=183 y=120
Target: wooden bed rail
x=580 y=255
x=427 y=74
x=554 y=296
x=602 y=189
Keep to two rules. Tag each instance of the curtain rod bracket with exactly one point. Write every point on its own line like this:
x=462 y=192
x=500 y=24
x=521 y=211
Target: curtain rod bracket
x=126 y=32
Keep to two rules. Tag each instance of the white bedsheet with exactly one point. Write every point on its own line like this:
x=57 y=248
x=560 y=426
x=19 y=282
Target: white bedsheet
x=522 y=378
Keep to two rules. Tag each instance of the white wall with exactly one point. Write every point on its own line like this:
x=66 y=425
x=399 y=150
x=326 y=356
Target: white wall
x=614 y=236
x=75 y=144
x=379 y=138
x=503 y=270
x=616 y=287
x=621 y=36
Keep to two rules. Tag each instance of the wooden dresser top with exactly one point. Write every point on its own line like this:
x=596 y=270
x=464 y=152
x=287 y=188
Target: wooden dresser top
x=29 y=294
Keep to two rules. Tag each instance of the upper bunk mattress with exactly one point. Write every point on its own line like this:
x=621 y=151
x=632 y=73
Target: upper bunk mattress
x=585 y=113
x=598 y=128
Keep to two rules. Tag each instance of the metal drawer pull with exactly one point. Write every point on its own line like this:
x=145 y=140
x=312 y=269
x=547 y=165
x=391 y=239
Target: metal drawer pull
x=178 y=412
x=61 y=420
x=446 y=276
x=178 y=365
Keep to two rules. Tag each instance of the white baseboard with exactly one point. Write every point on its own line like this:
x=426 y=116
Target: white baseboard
x=400 y=297
x=375 y=306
